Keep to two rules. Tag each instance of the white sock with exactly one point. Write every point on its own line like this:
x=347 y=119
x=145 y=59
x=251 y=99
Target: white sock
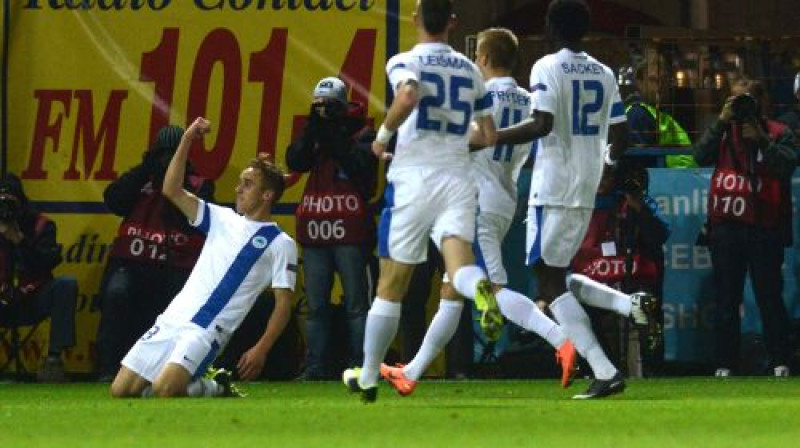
x=440 y=331
x=203 y=387
x=523 y=312
x=577 y=326
x=382 y=321
x=599 y=295
x=466 y=280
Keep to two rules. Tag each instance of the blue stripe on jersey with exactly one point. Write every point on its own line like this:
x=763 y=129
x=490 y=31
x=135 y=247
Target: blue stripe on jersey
x=238 y=270
x=617 y=110
x=386 y=221
x=476 y=249
x=205 y=224
x=538 y=86
x=395 y=67
x=535 y=252
x=483 y=103
x=534 y=150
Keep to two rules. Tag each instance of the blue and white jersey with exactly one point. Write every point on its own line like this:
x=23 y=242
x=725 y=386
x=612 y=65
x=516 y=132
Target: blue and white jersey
x=581 y=94
x=239 y=260
x=451 y=95
x=497 y=168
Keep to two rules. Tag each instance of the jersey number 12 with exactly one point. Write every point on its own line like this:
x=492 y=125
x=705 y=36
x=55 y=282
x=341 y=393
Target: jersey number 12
x=581 y=110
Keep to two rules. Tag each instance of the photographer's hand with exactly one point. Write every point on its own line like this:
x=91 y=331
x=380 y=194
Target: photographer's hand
x=726 y=114
x=634 y=201
x=752 y=132
x=11 y=232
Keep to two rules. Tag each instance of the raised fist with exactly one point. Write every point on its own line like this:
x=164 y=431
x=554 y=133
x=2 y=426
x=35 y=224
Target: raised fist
x=198 y=128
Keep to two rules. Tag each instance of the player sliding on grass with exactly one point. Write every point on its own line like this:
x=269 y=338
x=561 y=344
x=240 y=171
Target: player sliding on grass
x=243 y=253
x=495 y=169
x=430 y=193
x=575 y=108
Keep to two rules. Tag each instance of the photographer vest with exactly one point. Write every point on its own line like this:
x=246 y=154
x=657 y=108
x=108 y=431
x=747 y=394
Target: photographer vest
x=155 y=231
x=742 y=190
x=610 y=268
x=332 y=210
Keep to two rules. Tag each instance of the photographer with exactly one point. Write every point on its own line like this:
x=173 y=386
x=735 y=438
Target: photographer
x=152 y=255
x=29 y=293
x=334 y=224
x=749 y=210
x=623 y=249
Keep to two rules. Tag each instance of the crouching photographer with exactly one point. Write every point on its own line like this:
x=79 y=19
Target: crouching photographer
x=623 y=249
x=749 y=212
x=334 y=224
x=29 y=292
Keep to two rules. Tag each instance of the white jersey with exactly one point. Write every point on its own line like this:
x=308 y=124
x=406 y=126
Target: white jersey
x=240 y=259
x=451 y=94
x=497 y=168
x=581 y=94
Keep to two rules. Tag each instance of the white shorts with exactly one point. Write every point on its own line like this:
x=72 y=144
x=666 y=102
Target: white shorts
x=187 y=344
x=422 y=204
x=492 y=229
x=554 y=234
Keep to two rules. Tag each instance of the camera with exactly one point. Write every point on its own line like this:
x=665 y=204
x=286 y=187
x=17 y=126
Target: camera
x=10 y=207
x=744 y=107
x=632 y=179
x=329 y=109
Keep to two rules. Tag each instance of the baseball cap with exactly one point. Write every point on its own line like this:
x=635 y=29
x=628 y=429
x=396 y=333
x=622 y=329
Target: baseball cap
x=331 y=87
x=168 y=137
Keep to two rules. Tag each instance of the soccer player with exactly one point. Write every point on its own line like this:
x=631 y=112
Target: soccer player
x=243 y=253
x=429 y=192
x=576 y=109
x=495 y=170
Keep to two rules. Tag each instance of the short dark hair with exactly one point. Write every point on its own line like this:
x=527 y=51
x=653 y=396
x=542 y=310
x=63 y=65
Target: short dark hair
x=501 y=47
x=569 y=19
x=272 y=177
x=435 y=15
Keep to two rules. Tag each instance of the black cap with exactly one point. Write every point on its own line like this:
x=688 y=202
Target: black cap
x=168 y=137
x=10 y=185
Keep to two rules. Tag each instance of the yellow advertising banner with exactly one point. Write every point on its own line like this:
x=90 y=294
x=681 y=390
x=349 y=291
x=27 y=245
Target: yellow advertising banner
x=89 y=82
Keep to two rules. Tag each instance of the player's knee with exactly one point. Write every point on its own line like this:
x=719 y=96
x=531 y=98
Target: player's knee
x=120 y=389
x=448 y=292
x=168 y=389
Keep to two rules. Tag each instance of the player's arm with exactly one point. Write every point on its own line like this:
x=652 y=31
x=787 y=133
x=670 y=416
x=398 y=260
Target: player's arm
x=483 y=133
x=173 y=180
x=618 y=138
x=405 y=100
x=538 y=125
x=252 y=361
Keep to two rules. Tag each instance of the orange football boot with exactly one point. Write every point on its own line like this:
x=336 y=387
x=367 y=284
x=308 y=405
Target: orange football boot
x=398 y=380
x=567 y=357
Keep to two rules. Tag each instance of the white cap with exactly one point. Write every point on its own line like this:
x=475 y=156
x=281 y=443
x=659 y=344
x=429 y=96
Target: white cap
x=331 y=87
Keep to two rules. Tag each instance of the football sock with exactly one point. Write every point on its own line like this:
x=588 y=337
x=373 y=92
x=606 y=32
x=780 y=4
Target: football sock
x=578 y=327
x=524 y=312
x=599 y=295
x=466 y=280
x=203 y=387
x=441 y=330
x=148 y=391
x=382 y=321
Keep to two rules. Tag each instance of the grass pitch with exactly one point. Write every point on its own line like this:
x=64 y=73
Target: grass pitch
x=685 y=412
